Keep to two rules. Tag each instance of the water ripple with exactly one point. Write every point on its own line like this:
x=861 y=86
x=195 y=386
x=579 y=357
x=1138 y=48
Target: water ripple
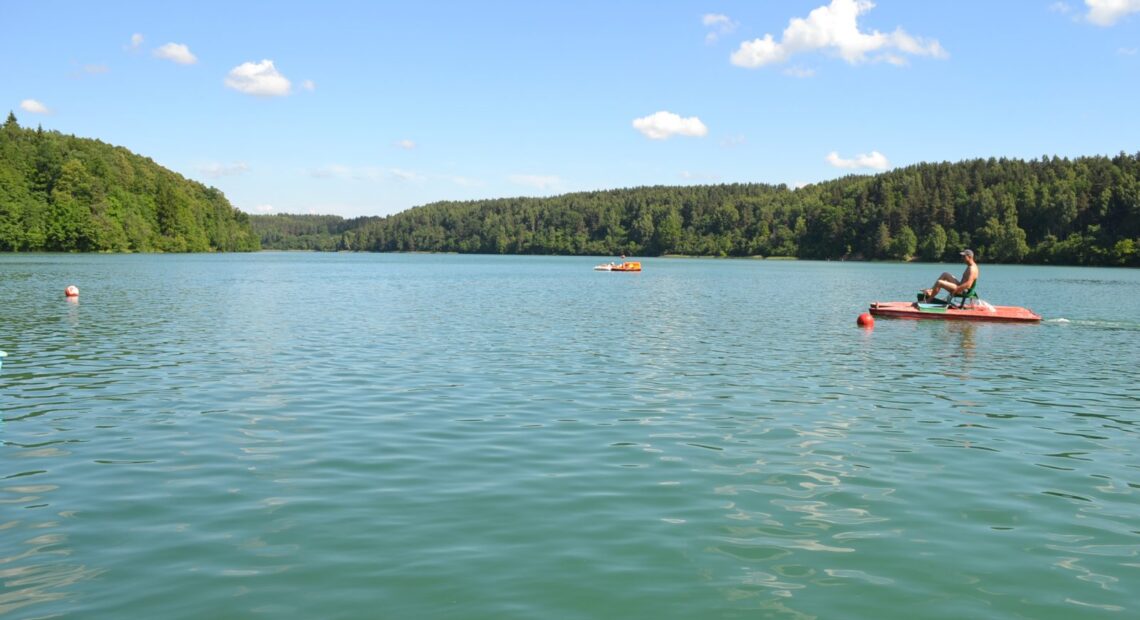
x=304 y=436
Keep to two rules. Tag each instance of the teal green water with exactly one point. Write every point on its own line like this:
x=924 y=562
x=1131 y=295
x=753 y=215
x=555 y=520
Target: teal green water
x=412 y=436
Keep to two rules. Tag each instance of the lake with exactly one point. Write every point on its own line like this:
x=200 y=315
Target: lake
x=294 y=435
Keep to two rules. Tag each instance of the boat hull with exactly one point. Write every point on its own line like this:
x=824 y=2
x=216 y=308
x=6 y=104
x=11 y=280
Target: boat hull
x=979 y=312
x=626 y=266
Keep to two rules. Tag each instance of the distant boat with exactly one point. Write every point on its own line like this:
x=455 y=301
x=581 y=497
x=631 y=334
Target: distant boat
x=624 y=266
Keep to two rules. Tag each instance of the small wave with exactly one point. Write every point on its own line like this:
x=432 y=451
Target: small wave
x=1096 y=323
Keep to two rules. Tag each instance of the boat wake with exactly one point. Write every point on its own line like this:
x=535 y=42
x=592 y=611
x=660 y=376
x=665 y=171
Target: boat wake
x=1095 y=323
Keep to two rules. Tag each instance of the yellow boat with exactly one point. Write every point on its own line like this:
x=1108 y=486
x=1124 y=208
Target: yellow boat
x=622 y=266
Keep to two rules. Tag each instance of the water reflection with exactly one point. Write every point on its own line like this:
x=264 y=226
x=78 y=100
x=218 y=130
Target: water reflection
x=965 y=334
x=34 y=555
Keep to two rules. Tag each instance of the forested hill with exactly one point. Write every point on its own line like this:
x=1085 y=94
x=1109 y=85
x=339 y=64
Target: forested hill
x=63 y=193
x=1084 y=211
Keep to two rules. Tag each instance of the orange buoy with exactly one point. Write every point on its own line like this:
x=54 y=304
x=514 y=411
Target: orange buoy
x=865 y=320
x=71 y=291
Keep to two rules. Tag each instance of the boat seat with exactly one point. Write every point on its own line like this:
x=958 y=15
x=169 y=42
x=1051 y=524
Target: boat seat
x=968 y=296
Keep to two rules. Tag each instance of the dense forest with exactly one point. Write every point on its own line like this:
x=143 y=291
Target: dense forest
x=323 y=233
x=1084 y=211
x=63 y=193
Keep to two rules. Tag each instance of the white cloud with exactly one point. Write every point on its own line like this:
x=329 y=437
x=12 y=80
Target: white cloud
x=136 y=41
x=214 y=170
x=1060 y=7
x=263 y=209
x=33 y=106
x=875 y=160
x=309 y=85
x=732 y=141
x=834 y=28
x=715 y=19
x=95 y=69
x=759 y=52
x=1108 y=12
x=176 y=52
x=542 y=182
x=718 y=24
x=260 y=79
x=799 y=72
x=407 y=145
x=661 y=125
x=1128 y=51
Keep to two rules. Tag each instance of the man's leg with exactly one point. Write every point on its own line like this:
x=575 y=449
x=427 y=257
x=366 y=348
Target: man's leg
x=945 y=282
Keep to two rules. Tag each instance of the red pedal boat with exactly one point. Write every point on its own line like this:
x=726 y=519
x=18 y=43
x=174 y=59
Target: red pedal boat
x=976 y=311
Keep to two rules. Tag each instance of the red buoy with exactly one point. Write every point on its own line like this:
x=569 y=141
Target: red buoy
x=865 y=320
x=71 y=291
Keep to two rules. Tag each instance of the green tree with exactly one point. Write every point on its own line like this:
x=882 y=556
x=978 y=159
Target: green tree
x=934 y=244
x=66 y=193
x=904 y=244
x=882 y=241
x=667 y=234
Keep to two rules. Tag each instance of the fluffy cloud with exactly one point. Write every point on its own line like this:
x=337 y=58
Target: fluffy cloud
x=875 y=160
x=715 y=20
x=136 y=41
x=33 y=106
x=834 y=28
x=263 y=209
x=407 y=145
x=542 y=182
x=1108 y=12
x=309 y=85
x=176 y=52
x=718 y=24
x=260 y=79
x=215 y=170
x=662 y=125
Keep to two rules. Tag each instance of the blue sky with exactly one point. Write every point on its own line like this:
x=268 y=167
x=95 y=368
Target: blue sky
x=370 y=108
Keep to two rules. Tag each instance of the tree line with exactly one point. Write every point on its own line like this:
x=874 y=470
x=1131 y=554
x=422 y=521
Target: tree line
x=67 y=194
x=1083 y=211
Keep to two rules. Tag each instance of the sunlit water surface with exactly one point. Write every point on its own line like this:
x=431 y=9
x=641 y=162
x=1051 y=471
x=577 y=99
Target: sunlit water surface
x=417 y=436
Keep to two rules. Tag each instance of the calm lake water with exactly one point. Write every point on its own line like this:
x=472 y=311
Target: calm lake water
x=290 y=435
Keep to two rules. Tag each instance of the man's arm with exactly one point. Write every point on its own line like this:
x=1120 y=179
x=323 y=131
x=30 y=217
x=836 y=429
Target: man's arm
x=968 y=279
